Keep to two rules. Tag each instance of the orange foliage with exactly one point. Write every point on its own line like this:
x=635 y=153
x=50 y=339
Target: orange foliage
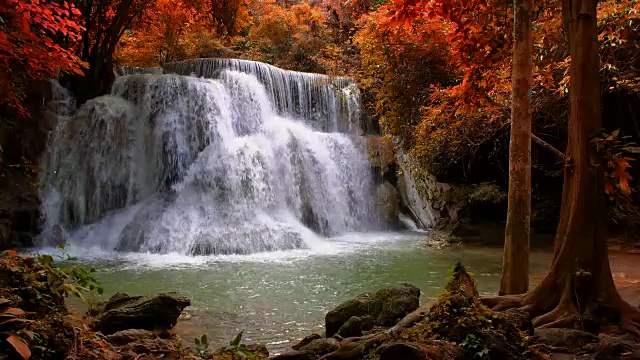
x=452 y=118
x=34 y=44
x=161 y=35
x=293 y=37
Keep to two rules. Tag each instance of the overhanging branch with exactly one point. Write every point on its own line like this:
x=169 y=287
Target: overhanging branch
x=547 y=146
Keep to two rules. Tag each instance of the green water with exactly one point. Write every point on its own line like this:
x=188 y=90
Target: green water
x=280 y=297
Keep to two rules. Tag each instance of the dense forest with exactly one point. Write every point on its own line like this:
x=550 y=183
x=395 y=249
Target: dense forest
x=437 y=81
x=536 y=102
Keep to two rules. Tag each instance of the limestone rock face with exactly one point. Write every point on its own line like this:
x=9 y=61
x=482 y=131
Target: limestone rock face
x=386 y=306
x=388 y=202
x=428 y=199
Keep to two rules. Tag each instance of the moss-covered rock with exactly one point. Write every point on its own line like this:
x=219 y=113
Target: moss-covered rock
x=458 y=317
x=356 y=325
x=50 y=331
x=387 y=306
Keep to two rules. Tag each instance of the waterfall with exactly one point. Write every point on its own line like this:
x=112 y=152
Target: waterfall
x=251 y=158
x=327 y=104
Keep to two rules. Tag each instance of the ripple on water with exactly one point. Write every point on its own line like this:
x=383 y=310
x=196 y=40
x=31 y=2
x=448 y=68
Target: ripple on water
x=283 y=296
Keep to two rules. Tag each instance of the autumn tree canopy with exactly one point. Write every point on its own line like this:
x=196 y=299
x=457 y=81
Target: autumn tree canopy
x=37 y=42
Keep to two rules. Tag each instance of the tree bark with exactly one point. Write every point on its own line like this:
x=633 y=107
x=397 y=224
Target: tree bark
x=579 y=292
x=515 y=267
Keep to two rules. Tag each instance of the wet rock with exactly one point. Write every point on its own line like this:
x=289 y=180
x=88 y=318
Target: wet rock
x=428 y=199
x=312 y=350
x=356 y=325
x=321 y=346
x=569 y=339
x=388 y=203
x=124 y=337
x=401 y=351
x=306 y=340
x=123 y=312
x=355 y=348
x=386 y=306
x=294 y=355
x=613 y=347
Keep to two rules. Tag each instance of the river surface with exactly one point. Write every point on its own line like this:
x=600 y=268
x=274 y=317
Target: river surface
x=280 y=297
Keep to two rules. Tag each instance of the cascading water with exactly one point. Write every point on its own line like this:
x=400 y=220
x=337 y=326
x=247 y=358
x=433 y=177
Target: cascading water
x=255 y=159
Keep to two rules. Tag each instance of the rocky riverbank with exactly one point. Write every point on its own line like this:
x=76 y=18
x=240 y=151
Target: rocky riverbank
x=385 y=324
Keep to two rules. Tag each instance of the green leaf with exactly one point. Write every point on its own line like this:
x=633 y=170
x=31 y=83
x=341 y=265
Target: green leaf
x=235 y=342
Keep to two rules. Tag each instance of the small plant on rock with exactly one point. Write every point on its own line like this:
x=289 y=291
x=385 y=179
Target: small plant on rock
x=76 y=280
x=202 y=345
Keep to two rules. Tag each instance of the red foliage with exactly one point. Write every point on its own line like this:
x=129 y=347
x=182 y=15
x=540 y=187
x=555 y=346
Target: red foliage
x=36 y=39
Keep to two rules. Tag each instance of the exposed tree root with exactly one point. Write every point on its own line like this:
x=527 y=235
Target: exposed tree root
x=629 y=319
x=622 y=316
x=501 y=303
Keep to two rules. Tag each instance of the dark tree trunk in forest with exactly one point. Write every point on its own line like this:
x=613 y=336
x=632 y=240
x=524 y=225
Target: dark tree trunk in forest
x=579 y=291
x=515 y=266
x=105 y=23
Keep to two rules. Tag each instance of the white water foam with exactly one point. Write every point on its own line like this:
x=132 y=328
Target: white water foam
x=181 y=165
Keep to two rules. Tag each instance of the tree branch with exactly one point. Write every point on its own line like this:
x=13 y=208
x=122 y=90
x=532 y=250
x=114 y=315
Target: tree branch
x=547 y=146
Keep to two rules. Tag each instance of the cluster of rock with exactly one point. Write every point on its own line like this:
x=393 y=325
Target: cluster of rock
x=390 y=325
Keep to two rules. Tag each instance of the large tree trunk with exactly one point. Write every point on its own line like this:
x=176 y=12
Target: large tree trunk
x=579 y=291
x=515 y=267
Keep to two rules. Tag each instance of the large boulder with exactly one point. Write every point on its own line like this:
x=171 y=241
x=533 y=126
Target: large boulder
x=123 y=312
x=386 y=306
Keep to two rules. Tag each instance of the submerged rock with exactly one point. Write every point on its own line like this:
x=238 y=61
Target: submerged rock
x=123 y=312
x=386 y=306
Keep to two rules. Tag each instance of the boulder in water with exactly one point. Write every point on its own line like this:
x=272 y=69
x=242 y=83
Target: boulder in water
x=386 y=306
x=123 y=312
x=356 y=325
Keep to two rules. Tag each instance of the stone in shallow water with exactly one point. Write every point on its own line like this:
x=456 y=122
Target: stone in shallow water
x=123 y=312
x=387 y=306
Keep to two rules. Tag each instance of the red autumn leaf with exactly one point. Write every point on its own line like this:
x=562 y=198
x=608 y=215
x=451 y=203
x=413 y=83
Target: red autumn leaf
x=19 y=345
x=12 y=311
